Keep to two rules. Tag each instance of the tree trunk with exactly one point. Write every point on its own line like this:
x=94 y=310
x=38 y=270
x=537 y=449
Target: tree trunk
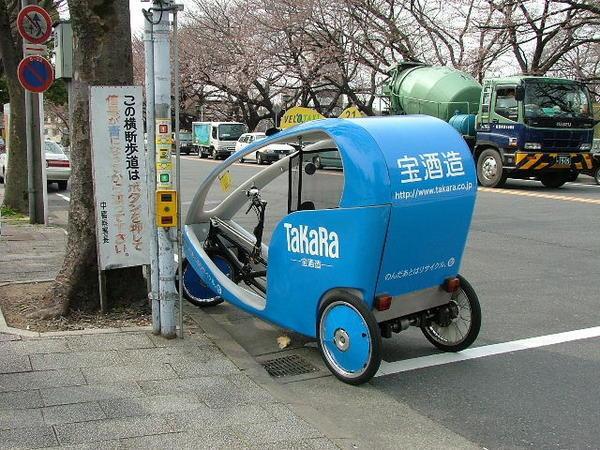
x=15 y=194
x=102 y=56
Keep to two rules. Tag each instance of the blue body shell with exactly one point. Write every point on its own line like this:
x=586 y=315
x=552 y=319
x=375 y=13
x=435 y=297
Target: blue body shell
x=402 y=224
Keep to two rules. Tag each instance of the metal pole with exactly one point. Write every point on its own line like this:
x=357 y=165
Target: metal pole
x=151 y=149
x=178 y=173
x=36 y=161
x=162 y=110
x=29 y=139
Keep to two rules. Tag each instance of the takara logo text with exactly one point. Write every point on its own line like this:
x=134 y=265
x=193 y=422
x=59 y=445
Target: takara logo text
x=315 y=242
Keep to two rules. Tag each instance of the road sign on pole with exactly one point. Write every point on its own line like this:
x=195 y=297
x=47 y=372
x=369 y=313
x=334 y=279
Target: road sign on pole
x=35 y=73
x=34 y=24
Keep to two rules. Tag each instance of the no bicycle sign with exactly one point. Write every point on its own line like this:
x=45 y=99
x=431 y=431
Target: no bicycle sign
x=34 y=24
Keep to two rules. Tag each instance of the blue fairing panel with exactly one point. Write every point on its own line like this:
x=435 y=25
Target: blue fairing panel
x=433 y=188
x=345 y=254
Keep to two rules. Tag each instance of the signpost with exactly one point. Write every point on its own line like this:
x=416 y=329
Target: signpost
x=123 y=225
x=36 y=75
x=297 y=115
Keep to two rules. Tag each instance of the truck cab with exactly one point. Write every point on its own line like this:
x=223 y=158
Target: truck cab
x=533 y=127
x=216 y=139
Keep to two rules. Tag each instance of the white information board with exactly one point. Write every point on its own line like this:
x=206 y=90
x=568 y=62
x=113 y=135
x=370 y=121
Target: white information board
x=123 y=225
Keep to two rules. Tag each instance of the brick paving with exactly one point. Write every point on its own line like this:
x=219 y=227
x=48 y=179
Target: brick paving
x=134 y=390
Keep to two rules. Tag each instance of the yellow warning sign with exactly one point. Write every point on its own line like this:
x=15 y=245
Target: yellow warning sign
x=351 y=112
x=297 y=115
x=225 y=181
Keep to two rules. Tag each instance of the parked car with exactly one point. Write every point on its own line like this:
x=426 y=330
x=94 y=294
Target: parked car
x=185 y=142
x=58 y=166
x=327 y=159
x=269 y=153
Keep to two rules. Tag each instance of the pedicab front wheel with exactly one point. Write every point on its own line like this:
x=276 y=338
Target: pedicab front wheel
x=195 y=290
x=349 y=339
x=456 y=327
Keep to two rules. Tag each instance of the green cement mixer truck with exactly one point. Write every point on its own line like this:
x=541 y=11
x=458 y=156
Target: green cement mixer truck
x=517 y=127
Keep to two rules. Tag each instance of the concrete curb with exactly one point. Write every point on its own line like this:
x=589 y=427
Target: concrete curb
x=8 y=283
x=5 y=328
x=245 y=362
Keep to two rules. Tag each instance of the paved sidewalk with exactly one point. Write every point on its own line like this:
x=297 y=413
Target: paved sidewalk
x=136 y=390
x=126 y=388
x=30 y=252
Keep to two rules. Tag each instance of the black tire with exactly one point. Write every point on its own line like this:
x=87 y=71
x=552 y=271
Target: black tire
x=214 y=154
x=573 y=175
x=374 y=338
x=259 y=159
x=554 y=180
x=201 y=154
x=431 y=330
x=62 y=185
x=189 y=296
x=317 y=162
x=490 y=171
x=597 y=175
x=2 y=177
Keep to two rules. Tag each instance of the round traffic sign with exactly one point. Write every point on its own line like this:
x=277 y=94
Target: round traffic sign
x=35 y=73
x=34 y=24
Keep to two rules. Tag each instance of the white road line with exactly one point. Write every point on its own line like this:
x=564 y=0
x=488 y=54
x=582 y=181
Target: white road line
x=486 y=350
x=569 y=183
x=64 y=197
x=539 y=195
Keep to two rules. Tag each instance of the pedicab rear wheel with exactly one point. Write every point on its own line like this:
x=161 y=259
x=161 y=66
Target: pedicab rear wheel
x=456 y=334
x=349 y=339
x=195 y=290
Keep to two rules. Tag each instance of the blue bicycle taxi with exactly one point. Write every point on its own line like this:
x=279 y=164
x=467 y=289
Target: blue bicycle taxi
x=353 y=255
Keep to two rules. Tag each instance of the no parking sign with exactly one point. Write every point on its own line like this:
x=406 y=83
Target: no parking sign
x=35 y=74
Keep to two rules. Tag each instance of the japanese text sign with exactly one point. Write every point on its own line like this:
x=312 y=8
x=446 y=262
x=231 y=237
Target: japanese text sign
x=123 y=223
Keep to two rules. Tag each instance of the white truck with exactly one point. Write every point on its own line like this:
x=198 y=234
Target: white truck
x=216 y=139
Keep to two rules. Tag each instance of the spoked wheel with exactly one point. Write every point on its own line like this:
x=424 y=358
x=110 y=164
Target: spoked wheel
x=349 y=339
x=195 y=290
x=456 y=327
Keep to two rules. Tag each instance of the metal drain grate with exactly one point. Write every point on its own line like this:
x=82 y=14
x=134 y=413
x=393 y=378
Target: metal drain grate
x=288 y=366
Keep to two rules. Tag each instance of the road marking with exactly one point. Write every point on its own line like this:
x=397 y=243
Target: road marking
x=568 y=198
x=570 y=183
x=486 y=350
x=64 y=197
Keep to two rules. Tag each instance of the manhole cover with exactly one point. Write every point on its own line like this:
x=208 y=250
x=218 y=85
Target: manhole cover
x=288 y=366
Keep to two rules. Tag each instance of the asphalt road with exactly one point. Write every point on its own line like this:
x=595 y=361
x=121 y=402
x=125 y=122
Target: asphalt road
x=533 y=258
